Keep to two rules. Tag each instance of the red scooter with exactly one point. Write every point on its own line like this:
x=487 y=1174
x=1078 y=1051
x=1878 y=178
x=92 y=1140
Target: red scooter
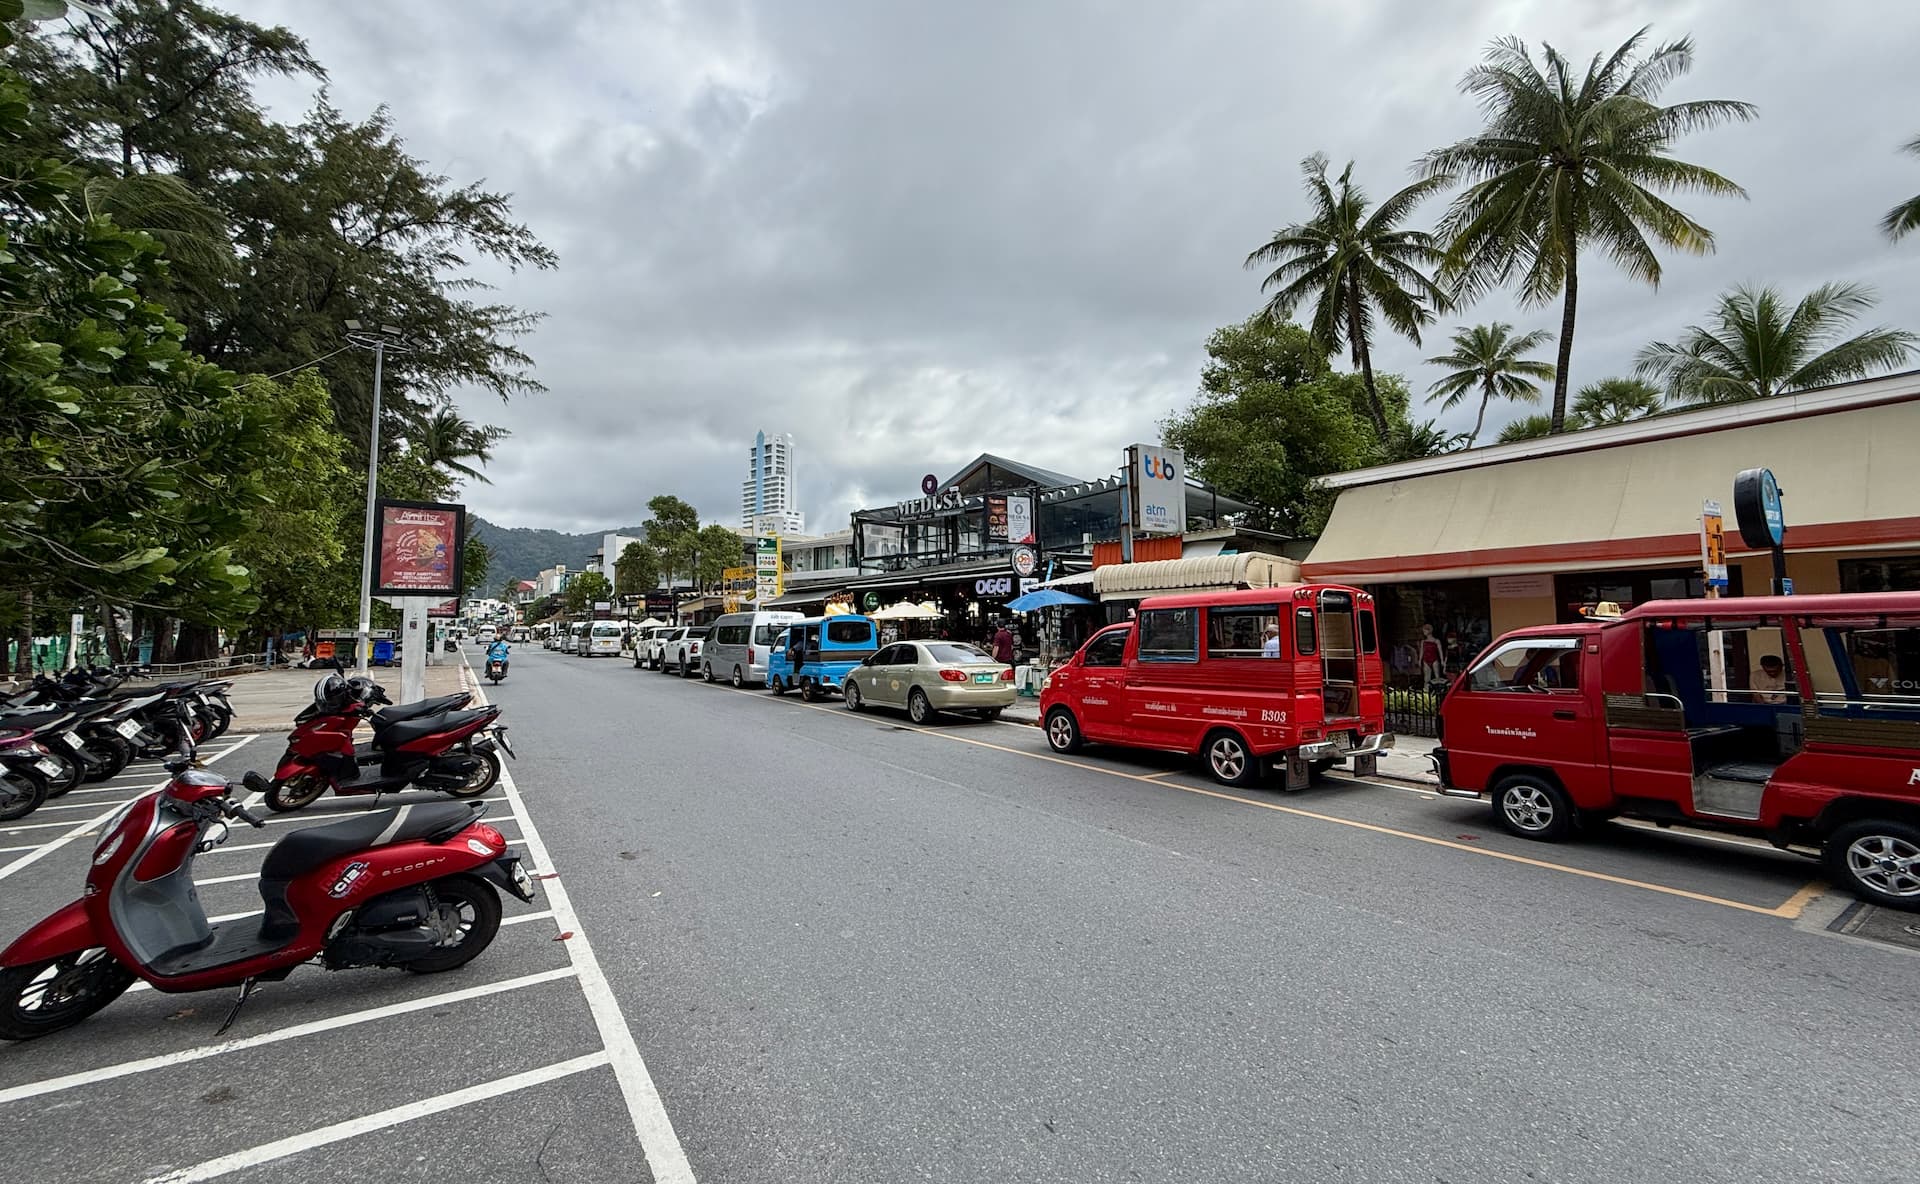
x=426 y=745
x=411 y=887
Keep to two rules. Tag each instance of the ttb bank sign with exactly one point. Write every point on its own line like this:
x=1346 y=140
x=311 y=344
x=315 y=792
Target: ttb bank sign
x=1159 y=478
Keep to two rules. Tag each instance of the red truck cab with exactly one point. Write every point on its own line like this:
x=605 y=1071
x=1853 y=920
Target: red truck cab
x=1793 y=718
x=1289 y=676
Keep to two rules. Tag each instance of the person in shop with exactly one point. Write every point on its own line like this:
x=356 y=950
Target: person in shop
x=1270 y=644
x=1003 y=644
x=1771 y=679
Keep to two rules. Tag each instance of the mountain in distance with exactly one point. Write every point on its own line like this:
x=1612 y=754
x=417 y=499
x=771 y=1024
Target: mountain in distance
x=523 y=552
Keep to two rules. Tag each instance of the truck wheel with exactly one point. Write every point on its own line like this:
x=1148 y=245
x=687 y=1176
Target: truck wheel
x=1878 y=860
x=739 y=679
x=809 y=690
x=1229 y=760
x=1063 y=731
x=1533 y=808
x=776 y=684
x=706 y=672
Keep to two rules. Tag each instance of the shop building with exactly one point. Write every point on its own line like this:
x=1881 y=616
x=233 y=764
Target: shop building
x=1460 y=548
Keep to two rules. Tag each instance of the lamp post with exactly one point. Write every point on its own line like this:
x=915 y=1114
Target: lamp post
x=378 y=339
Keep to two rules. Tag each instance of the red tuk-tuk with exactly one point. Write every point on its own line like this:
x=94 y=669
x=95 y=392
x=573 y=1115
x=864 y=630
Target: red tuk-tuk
x=1289 y=676
x=1794 y=718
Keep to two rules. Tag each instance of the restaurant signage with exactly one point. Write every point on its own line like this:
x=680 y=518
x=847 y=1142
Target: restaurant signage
x=417 y=548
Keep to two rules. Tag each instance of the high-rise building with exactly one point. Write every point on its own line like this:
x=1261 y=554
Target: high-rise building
x=768 y=501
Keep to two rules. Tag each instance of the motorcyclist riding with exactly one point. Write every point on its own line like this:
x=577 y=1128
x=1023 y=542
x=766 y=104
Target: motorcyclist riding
x=497 y=652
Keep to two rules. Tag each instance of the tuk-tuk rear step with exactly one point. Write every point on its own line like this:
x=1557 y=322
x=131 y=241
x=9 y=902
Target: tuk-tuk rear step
x=1728 y=799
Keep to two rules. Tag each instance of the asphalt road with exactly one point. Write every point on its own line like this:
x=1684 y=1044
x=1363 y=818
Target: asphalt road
x=846 y=949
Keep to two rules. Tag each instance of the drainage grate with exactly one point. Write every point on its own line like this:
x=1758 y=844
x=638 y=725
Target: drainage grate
x=1874 y=923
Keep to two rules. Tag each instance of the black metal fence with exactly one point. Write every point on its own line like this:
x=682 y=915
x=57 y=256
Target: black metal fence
x=1413 y=712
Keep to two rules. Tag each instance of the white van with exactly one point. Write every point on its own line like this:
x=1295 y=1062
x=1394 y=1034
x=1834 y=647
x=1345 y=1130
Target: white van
x=603 y=640
x=576 y=642
x=484 y=635
x=737 y=648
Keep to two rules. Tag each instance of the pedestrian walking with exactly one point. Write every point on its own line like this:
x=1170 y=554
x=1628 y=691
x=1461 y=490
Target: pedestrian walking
x=1003 y=645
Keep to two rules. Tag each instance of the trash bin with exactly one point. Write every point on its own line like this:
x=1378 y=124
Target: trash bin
x=383 y=653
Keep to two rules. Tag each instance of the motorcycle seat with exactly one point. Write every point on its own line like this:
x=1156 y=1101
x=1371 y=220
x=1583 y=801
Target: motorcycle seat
x=386 y=717
x=408 y=730
x=308 y=848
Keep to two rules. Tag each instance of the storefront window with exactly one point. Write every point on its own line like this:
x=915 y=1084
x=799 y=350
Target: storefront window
x=1575 y=595
x=1880 y=575
x=1431 y=630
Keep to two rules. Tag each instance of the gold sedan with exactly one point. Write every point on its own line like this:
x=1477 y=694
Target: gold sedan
x=927 y=677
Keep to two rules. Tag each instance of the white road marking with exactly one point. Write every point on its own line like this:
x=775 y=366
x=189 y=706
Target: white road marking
x=523 y=918
x=47 y=849
x=35 y=1089
x=380 y=1120
x=666 y=1159
x=226 y=879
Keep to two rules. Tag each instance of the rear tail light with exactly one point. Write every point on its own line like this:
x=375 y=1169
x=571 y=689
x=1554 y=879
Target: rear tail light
x=953 y=676
x=749 y=655
x=1006 y=675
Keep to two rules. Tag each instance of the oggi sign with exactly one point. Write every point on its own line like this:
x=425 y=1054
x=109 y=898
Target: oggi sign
x=993 y=586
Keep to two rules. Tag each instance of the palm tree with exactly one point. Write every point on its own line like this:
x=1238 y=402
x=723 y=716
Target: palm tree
x=447 y=440
x=1486 y=359
x=1614 y=400
x=1350 y=264
x=1528 y=427
x=1753 y=347
x=1567 y=162
x=1906 y=215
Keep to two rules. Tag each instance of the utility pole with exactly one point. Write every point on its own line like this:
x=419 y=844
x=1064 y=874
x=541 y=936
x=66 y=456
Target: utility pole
x=380 y=340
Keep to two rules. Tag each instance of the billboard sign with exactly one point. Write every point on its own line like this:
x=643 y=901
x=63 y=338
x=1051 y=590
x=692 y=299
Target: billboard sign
x=1159 y=479
x=996 y=518
x=1020 y=519
x=661 y=605
x=766 y=565
x=417 y=548
x=446 y=608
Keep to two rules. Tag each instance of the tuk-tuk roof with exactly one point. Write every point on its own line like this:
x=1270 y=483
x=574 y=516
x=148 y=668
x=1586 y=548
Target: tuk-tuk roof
x=1234 y=596
x=1829 y=604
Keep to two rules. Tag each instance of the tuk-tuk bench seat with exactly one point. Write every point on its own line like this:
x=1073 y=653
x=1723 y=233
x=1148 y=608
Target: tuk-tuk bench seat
x=1752 y=772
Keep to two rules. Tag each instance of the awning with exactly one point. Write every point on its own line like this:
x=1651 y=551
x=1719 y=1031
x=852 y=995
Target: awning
x=1079 y=579
x=1249 y=569
x=1846 y=478
x=798 y=599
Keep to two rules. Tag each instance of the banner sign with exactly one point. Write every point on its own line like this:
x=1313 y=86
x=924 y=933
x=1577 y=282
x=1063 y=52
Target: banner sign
x=417 y=548
x=766 y=563
x=1713 y=544
x=446 y=608
x=1020 y=518
x=996 y=518
x=1159 y=479
x=661 y=605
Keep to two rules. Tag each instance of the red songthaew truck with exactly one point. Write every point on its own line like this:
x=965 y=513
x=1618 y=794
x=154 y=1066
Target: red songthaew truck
x=1290 y=676
x=1793 y=718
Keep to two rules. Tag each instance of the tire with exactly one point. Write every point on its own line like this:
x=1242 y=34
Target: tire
x=1229 y=760
x=706 y=672
x=221 y=721
x=68 y=778
x=991 y=714
x=739 y=680
x=80 y=983
x=482 y=781
x=1063 y=731
x=919 y=710
x=479 y=905
x=850 y=696
x=687 y=671
x=112 y=753
x=26 y=791
x=775 y=684
x=1533 y=808
x=809 y=690
x=296 y=792
x=1878 y=860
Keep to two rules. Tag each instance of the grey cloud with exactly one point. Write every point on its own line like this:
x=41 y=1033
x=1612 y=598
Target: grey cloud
x=909 y=233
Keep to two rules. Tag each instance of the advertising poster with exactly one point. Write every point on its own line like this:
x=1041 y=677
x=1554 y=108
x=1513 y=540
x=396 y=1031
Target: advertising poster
x=1020 y=519
x=1713 y=544
x=996 y=518
x=1159 y=477
x=446 y=608
x=417 y=548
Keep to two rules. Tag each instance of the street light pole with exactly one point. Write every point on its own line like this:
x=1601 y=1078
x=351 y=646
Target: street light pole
x=379 y=341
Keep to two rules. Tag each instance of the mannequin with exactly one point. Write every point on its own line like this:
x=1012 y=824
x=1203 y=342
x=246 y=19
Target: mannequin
x=1433 y=664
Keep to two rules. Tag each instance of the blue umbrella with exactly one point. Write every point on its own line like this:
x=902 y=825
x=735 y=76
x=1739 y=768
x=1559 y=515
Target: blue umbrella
x=1044 y=598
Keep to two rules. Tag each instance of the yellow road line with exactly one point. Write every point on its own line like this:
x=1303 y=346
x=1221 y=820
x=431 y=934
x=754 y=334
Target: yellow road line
x=1792 y=908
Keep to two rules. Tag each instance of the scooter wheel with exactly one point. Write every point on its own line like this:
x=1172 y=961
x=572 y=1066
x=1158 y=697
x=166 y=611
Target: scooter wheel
x=44 y=997
x=112 y=753
x=473 y=907
x=295 y=792
x=483 y=780
x=22 y=791
x=68 y=778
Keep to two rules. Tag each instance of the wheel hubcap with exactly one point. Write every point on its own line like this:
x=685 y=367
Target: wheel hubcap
x=1060 y=731
x=1229 y=759
x=1887 y=864
x=1528 y=808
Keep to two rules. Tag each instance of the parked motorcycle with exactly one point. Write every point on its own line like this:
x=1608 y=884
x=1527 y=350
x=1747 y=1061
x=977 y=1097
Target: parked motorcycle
x=412 y=887
x=427 y=745
x=25 y=767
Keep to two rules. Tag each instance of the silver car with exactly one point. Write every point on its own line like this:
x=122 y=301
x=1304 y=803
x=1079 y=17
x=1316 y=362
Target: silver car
x=928 y=677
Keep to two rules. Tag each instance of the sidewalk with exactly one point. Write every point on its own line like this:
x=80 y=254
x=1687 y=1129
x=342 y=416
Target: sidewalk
x=267 y=701
x=1406 y=761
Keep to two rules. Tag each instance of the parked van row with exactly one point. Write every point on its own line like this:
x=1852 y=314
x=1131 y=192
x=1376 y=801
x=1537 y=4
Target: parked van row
x=587 y=639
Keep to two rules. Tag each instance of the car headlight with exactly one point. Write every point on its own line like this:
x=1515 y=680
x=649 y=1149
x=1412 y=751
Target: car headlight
x=1046 y=683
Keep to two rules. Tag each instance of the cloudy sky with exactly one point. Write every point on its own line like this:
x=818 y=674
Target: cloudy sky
x=908 y=233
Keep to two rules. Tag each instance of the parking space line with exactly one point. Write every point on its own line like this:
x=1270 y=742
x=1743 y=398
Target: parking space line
x=49 y=848
x=666 y=1159
x=380 y=1120
x=35 y=1089
x=227 y=879
x=523 y=918
x=1789 y=909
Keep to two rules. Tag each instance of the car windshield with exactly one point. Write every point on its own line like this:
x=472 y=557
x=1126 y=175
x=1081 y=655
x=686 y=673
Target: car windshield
x=952 y=651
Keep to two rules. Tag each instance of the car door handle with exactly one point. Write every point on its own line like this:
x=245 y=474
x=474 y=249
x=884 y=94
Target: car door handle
x=1566 y=715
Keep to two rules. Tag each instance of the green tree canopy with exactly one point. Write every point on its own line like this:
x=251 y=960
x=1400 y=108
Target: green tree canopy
x=585 y=590
x=1753 y=346
x=1353 y=265
x=1272 y=416
x=637 y=571
x=716 y=549
x=1528 y=427
x=1569 y=161
x=1904 y=217
x=1614 y=400
x=673 y=532
x=1489 y=361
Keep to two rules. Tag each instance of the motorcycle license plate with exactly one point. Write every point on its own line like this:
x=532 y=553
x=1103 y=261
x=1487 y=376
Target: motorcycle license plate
x=48 y=766
x=72 y=741
x=127 y=728
x=501 y=736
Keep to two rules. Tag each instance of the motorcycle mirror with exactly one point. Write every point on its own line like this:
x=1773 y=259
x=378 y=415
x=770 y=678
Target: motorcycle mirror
x=255 y=781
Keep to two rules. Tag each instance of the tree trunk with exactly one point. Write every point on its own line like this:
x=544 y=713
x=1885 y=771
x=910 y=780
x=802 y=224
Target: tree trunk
x=1480 y=420
x=23 y=636
x=1375 y=408
x=162 y=640
x=198 y=643
x=1566 y=343
x=116 y=648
